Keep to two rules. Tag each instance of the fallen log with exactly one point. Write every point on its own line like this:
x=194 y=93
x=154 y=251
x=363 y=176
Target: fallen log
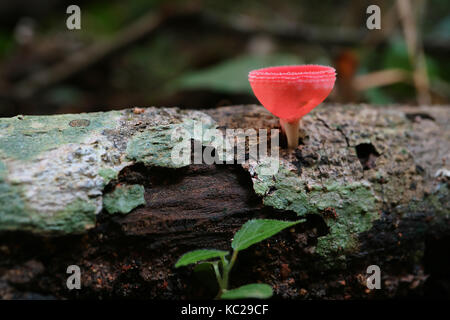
x=100 y=191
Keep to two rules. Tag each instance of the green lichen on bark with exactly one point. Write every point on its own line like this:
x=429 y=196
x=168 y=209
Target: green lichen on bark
x=76 y=217
x=53 y=169
x=108 y=174
x=437 y=203
x=13 y=209
x=355 y=214
x=354 y=205
x=154 y=147
x=124 y=198
x=25 y=137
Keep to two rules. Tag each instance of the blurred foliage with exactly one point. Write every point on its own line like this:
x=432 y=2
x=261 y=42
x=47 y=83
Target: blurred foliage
x=396 y=56
x=378 y=96
x=442 y=29
x=6 y=43
x=189 y=63
x=64 y=95
x=151 y=65
x=231 y=76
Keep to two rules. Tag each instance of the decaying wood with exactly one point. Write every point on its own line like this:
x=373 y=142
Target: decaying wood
x=371 y=184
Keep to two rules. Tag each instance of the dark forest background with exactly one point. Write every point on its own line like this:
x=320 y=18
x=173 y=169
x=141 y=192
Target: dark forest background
x=196 y=54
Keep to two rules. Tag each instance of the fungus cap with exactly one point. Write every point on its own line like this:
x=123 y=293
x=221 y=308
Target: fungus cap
x=290 y=92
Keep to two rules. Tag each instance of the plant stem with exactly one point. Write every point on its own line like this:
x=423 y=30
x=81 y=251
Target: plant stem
x=218 y=276
x=224 y=261
x=227 y=269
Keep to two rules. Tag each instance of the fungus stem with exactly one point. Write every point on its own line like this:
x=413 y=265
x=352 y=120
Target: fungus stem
x=291 y=130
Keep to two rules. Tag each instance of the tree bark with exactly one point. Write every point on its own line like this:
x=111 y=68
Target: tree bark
x=371 y=184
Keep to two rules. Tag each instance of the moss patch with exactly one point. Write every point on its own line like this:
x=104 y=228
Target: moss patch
x=108 y=174
x=124 y=198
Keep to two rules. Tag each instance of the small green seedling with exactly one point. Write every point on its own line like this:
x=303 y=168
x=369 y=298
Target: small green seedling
x=253 y=231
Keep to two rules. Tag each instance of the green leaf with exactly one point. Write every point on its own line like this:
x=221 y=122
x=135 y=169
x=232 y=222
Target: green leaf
x=199 y=255
x=254 y=290
x=254 y=231
x=204 y=266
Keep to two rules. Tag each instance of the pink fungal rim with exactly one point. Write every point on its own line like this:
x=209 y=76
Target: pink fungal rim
x=290 y=73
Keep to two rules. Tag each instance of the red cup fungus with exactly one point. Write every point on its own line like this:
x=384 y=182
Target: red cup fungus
x=290 y=92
